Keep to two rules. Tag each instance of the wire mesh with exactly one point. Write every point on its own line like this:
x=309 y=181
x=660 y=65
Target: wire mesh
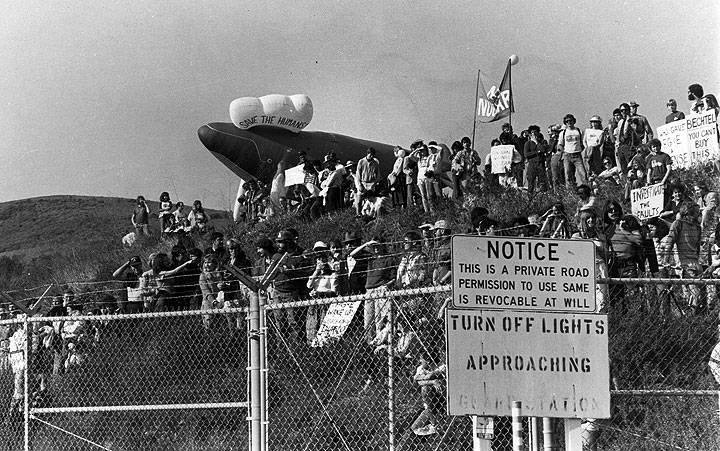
x=345 y=373
x=149 y=381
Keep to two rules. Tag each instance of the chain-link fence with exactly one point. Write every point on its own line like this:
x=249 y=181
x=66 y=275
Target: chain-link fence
x=175 y=380
x=348 y=373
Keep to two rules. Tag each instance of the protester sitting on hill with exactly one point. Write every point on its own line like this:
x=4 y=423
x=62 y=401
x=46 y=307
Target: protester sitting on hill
x=129 y=274
x=140 y=217
x=610 y=174
x=430 y=377
x=165 y=215
x=198 y=218
x=678 y=196
x=179 y=213
x=376 y=203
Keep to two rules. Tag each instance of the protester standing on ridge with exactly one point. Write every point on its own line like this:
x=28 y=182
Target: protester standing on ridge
x=695 y=95
x=140 y=217
x=644 y=131
x=367 y=175
x=570 y=142
x=674 y=114
x=594 y=143
x=165 y=213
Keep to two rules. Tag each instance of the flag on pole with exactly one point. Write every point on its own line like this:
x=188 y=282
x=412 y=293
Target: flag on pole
x=495 y=103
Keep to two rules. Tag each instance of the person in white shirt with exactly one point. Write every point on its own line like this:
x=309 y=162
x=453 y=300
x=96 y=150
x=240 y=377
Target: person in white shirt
x=571 y=144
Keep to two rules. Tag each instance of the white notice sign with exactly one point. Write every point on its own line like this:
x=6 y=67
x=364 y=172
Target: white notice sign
x=556 y=364
x=648 y=201
x=495 y=272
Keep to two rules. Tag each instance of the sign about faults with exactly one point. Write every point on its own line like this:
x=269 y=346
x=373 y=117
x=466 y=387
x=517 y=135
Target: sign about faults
x=556 y=364
x=494 y=272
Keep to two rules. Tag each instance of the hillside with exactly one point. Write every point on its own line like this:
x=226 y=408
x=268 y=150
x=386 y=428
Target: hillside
x=40 y=233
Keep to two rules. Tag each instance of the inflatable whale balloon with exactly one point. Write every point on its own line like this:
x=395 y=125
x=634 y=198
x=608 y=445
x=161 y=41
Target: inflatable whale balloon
x=292 y=113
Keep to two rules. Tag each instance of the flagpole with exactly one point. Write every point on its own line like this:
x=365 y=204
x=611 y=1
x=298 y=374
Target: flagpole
x=477 y=93
x=510 y=85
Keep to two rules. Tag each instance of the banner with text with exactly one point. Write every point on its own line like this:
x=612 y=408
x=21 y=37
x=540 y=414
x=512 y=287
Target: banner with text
x=648 y=201
x=556 y=364
x=335 y=323
x=501 y=158
x=691 y=141
x=523 y=273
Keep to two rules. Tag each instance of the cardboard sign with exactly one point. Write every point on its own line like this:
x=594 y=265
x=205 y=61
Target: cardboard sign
x=294 y=176
x=592 y=136
x=692 y=140
x=335 y=323
x=556 y=364
x=495 y=272
x=501 y=158
x=648 y=201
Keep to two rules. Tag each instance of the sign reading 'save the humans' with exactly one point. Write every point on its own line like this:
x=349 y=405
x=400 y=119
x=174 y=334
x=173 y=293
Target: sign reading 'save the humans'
x=556 y=364
x=494 y=272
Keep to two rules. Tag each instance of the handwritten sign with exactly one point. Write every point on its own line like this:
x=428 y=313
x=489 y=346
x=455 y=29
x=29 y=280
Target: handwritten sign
x=692 y=140
x=648 y=201
x=501 y=158
x=592 y=136
x=523 y=273
x=294 y=176
x=335 y=323
x=556 y=364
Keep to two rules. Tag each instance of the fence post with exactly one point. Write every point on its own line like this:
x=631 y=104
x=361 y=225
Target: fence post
x=26 y=394
x=548 y=435
x=262 y=302
x=391 y=376
x=254 y=372
x=517 y=427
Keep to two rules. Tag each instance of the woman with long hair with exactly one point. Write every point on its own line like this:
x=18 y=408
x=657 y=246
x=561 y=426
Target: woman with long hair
x=165 y=215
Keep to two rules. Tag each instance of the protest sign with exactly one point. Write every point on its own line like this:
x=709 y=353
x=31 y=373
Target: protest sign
x=294 y=176
x=592 y=136
x=648 y=201
x=692 y=140
x=501 y=158
x=335 y=323
x=702 y=137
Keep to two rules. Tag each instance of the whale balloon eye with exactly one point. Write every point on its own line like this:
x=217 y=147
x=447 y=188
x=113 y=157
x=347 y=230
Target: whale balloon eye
x=269 y=161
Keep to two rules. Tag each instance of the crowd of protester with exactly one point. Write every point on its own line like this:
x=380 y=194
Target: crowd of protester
x=680 y=242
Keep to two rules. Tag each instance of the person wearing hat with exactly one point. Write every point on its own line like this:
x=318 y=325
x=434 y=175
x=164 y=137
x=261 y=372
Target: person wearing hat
x=533 y=152
x=217 y=248
x=412 y=270
x=367 y=175
x=325 y=281
x=570 y=142
x=594 y=137
x=289 y=282
x=410 y=169
x=674 y=114
x=441 y=255
x=425 y=175
x=644 y=131
x=626 y=140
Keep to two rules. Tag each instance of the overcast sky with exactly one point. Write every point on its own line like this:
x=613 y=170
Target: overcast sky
x=105 y=98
